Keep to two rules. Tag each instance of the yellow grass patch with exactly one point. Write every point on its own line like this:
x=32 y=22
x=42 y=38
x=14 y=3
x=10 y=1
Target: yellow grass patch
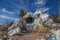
x=42 y=31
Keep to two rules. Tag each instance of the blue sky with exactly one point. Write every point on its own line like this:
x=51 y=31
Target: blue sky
x=9 y=9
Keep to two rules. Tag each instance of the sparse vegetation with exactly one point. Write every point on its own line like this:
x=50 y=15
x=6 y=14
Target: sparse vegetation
x=42 y=30
x=56 y=17
x=22 y=13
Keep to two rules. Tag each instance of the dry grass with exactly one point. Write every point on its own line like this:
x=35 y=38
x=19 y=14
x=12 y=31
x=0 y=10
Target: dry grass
x=4 y=26
x=3 y=34
x=3 y=31
x=42 y=31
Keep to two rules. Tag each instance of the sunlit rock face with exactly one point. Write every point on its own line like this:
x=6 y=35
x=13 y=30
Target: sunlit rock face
x=43 y=17
x=14 y=28
x=30 y=22
x=34 y=19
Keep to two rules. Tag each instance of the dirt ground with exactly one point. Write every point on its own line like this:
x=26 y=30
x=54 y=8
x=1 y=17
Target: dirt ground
x=28 y=36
